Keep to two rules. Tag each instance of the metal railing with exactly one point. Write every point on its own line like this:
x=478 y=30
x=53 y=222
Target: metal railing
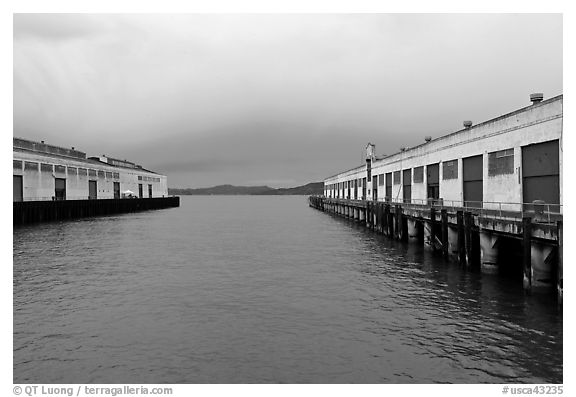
x=539 y=211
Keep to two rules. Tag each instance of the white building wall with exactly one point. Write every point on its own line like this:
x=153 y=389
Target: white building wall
x=534 y=124
x=39 y=185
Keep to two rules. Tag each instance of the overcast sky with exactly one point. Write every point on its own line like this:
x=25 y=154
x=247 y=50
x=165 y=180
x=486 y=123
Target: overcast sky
x=279 y=99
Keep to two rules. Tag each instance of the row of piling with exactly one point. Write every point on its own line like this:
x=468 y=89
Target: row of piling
x=457 y=235
x=26 y=212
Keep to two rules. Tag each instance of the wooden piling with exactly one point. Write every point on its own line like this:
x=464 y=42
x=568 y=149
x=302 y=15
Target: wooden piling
x=526 y=250
x=468 y=237
x=444 y=218
x=461 y=238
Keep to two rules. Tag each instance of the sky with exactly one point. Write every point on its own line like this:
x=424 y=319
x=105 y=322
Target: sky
x=271 y=99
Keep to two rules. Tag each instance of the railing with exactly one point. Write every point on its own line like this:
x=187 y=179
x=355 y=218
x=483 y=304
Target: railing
x=539 y=211
x=54 y=198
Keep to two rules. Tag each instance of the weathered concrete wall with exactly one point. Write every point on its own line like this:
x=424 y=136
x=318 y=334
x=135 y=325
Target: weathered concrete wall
x=537 y=123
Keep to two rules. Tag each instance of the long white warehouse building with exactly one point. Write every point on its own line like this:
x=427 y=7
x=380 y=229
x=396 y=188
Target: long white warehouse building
x=45 y=172
x=498 y=164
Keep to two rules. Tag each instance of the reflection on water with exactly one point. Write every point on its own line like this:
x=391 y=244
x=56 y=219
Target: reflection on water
x=263 y=289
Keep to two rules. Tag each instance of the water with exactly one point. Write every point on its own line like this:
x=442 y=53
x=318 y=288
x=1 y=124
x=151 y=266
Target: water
x=263 y=289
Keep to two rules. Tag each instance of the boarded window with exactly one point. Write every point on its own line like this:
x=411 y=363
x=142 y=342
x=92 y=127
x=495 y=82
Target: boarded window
x=82 y=171
x=60 y=169
x=418 y=176
x=381 y=180
x=72 y=170
x=450 y=169
x=501 y=162
x=46 y=167
x=396 y=177
x=108 y=175
x=101 y=174
x=92 y=173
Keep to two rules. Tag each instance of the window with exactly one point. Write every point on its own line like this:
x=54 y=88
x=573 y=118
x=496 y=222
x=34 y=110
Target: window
x=396 y=177
x=450 y=169
x=501 y=162
x=418 y=176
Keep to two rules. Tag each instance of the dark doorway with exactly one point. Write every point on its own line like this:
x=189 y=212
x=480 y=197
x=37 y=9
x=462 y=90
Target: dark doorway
x=388 y=187
x=407 y=185
x=472 y=174
x=541 y=173
x=60 y=188
x=140 y=192
x=92 y=190
x=17 y=188
x=375 y=187
x=433 y=182
x=149 y=191
x=363 y=188
x=116 y=190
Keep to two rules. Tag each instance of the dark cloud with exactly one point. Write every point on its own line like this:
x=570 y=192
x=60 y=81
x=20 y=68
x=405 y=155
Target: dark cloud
x=213 y=99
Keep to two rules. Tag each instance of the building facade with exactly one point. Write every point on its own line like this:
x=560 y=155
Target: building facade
x=502 y=163
x=43 y=172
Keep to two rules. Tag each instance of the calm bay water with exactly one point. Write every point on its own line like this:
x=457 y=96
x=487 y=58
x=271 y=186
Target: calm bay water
x=263 y=289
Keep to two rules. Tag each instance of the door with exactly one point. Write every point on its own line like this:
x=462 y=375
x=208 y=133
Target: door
x=363 y=188
x=407 y=186
x=375 y=188
x=472 y=174
x=116 y=190
x=17 y=188
x=389 y=187
x=60 y=188
x=149 y=191
x=541 y=173
x=140 y=193
x=433 y=182
x=92 y=190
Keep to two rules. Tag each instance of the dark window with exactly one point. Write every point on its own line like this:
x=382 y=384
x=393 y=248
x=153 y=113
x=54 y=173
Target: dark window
x=140 y=193
x=72 y=170
x=501 y=162
x=101 y=174
x=418 y=175
x=92 y=173
x=82 y=171
x=17 y=165
x=396 y=177
x=381 y=180
x=60 y=169
x=116 y=175
x=108 y=175
x=139 y=177
x=450 y=169
x=46 y=167
x=29 y=166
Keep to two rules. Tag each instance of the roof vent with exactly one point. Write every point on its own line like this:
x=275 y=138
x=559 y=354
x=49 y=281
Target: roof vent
x=537 y=97
x=402 y=149
x=72 y=147
x=467 y=124
x=41 y=141
x=427 y=138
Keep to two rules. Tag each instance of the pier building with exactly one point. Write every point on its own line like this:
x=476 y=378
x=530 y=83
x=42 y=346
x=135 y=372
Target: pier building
x=45 y=172
x=53 y=183
x=489 y=194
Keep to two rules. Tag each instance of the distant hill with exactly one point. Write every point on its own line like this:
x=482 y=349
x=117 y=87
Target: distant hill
x=308 y=189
